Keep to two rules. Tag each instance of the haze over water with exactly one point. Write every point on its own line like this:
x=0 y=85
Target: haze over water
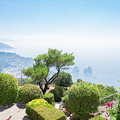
x=88 y=28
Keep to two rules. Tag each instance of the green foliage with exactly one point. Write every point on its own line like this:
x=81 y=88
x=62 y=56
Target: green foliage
x=100 y=86
x=115 y=112
x=49 y=97
x=24 y=81
x=37 y=73
x=106 y=91
x=64 y=79
x=29 y=92
x=82 y=100
x=79 y=80
x=58 y=93
x=39 y=109
x=41 y=69
x=65 y=100
x=8 y=89
x=29 y=71
x=97 y=118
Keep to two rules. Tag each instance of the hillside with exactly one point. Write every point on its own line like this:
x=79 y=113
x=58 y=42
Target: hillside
x=13 y=63
x=5 y=46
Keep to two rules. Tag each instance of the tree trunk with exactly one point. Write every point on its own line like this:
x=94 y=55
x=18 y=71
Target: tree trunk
x=40 y=86
x=45 y=88
x=48 y=82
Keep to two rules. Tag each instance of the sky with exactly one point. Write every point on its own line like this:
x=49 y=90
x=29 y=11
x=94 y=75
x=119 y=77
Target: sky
x=88 y=28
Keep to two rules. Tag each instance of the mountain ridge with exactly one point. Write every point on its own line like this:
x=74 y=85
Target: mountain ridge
x=13 y=64
x=5 y=46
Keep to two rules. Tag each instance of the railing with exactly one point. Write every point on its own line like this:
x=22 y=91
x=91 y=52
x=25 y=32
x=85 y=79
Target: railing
x=103 y=110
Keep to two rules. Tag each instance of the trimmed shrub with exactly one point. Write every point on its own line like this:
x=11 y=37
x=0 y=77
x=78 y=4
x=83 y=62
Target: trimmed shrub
x=8 y=89
x=29 y=92
x=58 y=93
x=40 y=109
x=97 y=118
x=83 y=100
x=64 y=79
x=49 y=97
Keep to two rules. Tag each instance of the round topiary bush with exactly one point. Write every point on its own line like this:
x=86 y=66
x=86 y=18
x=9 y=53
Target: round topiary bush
x=58 y=92
x=49 y=97
x=29 y=92
x=8 y=89
x=83 y=100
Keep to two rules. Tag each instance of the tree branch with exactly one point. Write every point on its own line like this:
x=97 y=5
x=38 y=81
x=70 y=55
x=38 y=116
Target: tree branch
x=53 y=77
x=41 y=87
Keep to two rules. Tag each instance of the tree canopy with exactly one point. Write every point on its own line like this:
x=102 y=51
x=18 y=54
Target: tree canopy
x=43 y=63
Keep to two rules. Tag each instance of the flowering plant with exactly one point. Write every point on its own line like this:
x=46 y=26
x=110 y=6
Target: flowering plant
x=9 y=118
x=115 y=112
x=108 y=105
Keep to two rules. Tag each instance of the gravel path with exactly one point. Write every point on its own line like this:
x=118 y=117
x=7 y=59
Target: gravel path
x=17 y=111
x=57 y=105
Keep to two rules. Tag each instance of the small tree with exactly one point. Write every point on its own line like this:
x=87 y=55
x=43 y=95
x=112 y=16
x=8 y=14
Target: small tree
x=64 y=79
x=43 y=63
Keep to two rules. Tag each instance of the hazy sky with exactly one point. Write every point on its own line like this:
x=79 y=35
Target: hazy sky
x=88 y=28
x=82 y=25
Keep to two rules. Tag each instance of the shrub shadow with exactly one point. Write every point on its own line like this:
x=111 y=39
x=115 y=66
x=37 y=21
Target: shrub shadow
x=5 y=107
x=26 y=118
x=20 y=105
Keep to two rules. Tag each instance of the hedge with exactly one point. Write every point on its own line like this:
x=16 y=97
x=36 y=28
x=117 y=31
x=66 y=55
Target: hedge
x=49 y=97
x=40 y=109
x=58 y=92
x=82 y=100
x=8 y=89
x=29 y=92
x=97 y=118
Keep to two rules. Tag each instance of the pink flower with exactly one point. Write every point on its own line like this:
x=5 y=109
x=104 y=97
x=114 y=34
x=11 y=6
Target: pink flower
x=109 y=104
